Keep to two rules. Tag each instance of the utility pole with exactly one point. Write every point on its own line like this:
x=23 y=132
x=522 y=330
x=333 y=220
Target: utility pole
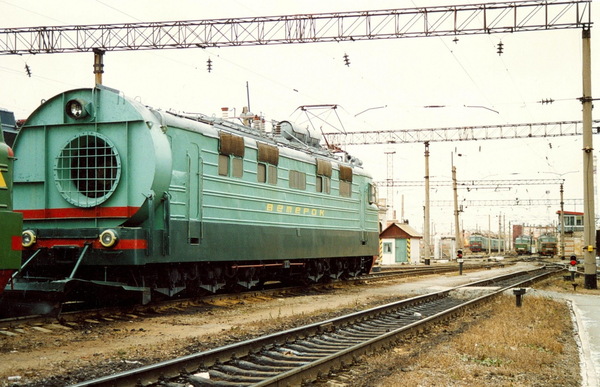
x=390 y=189
x=589 y=222
x=562 y=222
x=489 y=234
x=426 y=218
x=98 y=65
x=457 y=237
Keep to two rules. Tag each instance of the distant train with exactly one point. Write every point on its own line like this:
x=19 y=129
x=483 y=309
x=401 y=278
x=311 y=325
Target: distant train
x=547 y=245
x=10 y=222
x=121 y=199
x=480 y=243
x=524 y=245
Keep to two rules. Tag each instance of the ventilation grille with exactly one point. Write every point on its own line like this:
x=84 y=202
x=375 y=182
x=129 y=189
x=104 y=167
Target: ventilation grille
x=87 y=170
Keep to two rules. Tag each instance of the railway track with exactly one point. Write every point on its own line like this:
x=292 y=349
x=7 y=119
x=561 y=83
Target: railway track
x=309 y=353
x=111 y=313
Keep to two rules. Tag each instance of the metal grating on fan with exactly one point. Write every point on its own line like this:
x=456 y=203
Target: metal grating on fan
x=87 y=170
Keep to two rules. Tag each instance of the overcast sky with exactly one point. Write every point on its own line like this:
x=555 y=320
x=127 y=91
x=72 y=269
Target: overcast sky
x=404 y=75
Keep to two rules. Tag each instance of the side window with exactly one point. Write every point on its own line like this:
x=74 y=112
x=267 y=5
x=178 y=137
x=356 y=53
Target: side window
x=268 y=159
x=237 y=167
x=345 y=181
x=323 y=183
x=372 y=193
x=297 y=179
x=261 y=173
x=272 y=174
x=266 y=173
x=345 y=189
x=223 y=165
x=231 y=155
x=387 y=247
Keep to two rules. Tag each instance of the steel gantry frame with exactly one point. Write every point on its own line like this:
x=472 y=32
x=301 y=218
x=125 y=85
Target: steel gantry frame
x=465 y=133
x=508 y=203
x=469 y=184
x=473 y=19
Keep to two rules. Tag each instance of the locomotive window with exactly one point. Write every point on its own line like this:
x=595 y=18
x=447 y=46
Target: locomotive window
x=261 y=173
x=272 y=174
x=323 y=184
x=223 y=165
x=372 y=193
x=345 y=188
x=237 y=169
x=297 y=180
x=87 y=170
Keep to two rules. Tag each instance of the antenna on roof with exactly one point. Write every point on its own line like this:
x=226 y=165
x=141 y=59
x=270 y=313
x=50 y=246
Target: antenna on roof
x=248 y=95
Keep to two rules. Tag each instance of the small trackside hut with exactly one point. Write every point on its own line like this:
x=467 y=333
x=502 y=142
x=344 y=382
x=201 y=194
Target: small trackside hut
x=400 y=244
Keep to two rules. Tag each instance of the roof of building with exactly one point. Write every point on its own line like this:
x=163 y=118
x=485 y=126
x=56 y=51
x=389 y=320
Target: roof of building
x=570 y=213
x=399 y=230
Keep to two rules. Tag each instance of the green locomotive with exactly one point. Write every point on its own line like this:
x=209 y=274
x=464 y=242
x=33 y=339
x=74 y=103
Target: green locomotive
x=547 y=245
x=10 y=222
x=523 y=244
x=120 y=198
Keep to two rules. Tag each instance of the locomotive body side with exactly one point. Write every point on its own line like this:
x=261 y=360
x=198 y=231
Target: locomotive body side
x=131 y=198
x=233 y=210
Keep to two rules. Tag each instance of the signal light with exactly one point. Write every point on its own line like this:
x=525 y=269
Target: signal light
x=573 y=261
x=459 y=254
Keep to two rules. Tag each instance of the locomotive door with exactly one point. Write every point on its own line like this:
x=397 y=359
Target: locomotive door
x=362 y=213
x=194 y=183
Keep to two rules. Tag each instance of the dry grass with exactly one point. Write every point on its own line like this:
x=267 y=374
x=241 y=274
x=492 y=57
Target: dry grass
x=558 y=284
x=500 y=345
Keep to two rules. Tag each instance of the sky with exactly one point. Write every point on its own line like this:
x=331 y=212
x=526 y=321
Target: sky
x=387 y=86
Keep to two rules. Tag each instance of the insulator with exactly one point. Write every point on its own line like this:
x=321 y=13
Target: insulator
x=28 y=70
x=346 y=60
x=500 y=48
x=209 y=65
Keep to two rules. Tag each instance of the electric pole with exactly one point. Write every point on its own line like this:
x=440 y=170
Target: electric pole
x=589 y=222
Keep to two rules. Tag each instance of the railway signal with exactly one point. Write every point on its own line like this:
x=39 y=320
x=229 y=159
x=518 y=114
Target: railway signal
x=573 y=262
x=573 y=267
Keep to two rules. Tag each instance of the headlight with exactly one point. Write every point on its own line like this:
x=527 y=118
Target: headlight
x=109 y=238
x=28 y=238
x=75 y=109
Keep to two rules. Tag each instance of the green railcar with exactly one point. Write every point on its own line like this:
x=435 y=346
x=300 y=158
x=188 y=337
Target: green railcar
x=10 y=222
x=480 y=243
x=119 y=196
